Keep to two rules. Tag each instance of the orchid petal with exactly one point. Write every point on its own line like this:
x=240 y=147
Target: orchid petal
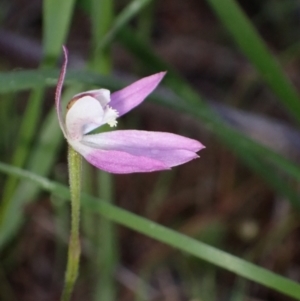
x=141 y=139
x=58 y=92
x=102 y=95
x=170 y=149
x=85 y=115
x=126 y=99
x=117 y=161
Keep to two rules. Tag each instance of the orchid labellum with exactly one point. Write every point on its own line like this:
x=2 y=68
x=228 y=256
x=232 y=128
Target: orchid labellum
x=125 y=151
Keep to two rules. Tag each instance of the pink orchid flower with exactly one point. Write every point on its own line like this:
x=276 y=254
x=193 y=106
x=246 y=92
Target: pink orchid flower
x=124 y=151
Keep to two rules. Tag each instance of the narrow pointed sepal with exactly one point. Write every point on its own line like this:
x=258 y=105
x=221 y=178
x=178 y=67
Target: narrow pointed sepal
x=131 y=96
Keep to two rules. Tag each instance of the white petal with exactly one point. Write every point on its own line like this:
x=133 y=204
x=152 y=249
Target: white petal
x=102 y=95
x=85 y=115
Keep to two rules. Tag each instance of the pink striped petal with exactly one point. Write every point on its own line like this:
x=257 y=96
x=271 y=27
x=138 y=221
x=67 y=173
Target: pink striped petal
x=117 y=161
x=169 y=149
x=131 y=96
x=123 y=163
x=127 y=140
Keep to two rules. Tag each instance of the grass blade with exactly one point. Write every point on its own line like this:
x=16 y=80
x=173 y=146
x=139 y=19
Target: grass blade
x=130 y=11
x=170 y=237
x=56 y=13
x=246 y=36
x=57 y=20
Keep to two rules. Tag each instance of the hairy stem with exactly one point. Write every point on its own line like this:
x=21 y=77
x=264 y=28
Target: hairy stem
x=74 y=160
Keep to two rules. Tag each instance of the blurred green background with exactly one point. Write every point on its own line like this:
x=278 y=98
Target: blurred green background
x=233 y=73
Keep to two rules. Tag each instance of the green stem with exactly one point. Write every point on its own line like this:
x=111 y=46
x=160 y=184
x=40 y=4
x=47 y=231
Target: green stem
x=74 y=243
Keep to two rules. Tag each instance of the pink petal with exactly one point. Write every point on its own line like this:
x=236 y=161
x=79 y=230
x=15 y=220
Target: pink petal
x=134 y=139
x=58 y=92
x=126 y=99
x=117 y=161
x=122 y=163
x=169 y=149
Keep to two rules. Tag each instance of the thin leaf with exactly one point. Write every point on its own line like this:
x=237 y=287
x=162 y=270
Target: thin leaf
x=130 y=11
x=246 y=36
x=57 y=20
x=170 y=237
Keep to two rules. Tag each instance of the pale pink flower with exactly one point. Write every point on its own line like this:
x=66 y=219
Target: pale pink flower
x=124 y=151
